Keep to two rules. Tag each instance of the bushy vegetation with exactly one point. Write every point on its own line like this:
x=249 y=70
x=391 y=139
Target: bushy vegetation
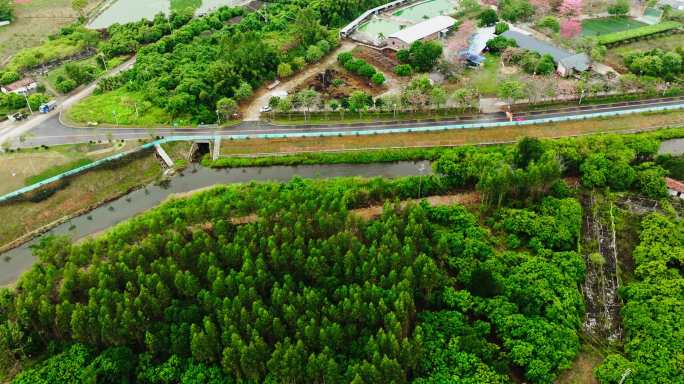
x=637 y=33
x=125 y=39
x=658 y=63
x=421 y=56
x=500 y=43
x=6 y=10
x=209 y=60
x=360 y=67
x=652 y=314
x=69 y=41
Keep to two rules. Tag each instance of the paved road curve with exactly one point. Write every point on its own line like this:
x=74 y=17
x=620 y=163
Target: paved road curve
x=53 y=132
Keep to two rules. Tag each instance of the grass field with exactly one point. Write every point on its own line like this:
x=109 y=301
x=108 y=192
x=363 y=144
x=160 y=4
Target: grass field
x=185 y=5
x=17 y=169
x=118 y=108
x=601 y=26
x=34 y=21
x=448 y=138
x=615 y=56
x=86 y=190
x=485 y=78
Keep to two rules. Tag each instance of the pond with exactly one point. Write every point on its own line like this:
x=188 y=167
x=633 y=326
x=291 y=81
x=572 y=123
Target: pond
x=375 y=27
x=19 y=259
x=421 y=11
x=126 y=11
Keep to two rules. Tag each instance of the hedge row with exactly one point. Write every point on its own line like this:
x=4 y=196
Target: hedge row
x=612 y=38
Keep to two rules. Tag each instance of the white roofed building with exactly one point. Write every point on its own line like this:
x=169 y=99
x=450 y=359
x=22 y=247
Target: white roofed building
x=430 y=29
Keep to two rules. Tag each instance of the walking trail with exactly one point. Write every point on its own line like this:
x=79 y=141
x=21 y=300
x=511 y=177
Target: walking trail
x=263 y=95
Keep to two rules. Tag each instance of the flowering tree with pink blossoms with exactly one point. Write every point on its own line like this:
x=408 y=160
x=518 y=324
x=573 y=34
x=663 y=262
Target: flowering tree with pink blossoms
x=570 y=28
x=570 y=8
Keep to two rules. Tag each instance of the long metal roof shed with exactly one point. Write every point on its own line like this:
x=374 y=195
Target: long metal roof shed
x=424 y=29
x=578 y=61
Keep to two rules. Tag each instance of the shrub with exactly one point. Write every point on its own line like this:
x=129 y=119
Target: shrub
x=366 y=70
x=353 y=65
x=620 y=8
x=8 y=77
x=313 y=54
x=500 y=28
x=324 y=46
x=487 y=18
x=403 y=70
x=500 y=43
x=66 y=85
x=403 y=55
x=298 y=63
x=549 y=22
x=378 y=78
x=652 y=183
x=515 y=10
x=284 y=70
x=344 y=57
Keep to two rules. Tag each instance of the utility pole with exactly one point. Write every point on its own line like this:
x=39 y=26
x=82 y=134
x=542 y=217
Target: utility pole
x=27 y=102
x=104 y=62
x=218 y=117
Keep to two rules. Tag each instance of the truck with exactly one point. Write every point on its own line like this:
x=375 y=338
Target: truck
x=47 y=107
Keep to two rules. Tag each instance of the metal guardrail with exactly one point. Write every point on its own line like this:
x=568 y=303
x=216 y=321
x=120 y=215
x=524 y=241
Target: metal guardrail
x=359 y=132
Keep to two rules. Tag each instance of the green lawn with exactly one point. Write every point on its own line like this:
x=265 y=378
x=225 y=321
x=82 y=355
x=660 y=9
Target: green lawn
x=119 y=108
x=185 y=5
x=485 y=77
x=604 y=25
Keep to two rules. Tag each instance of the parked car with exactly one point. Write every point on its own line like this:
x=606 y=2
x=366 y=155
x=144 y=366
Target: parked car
x=266 y=108
x=17 y=116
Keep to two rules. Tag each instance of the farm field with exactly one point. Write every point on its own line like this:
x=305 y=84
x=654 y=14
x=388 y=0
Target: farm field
x=604 y=25
x=34 y=21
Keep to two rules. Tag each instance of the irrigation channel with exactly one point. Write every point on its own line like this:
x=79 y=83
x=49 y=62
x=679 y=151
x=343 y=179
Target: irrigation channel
x=19 y=259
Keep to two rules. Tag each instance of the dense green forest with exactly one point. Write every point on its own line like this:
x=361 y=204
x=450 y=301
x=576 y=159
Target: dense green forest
x=267 y=282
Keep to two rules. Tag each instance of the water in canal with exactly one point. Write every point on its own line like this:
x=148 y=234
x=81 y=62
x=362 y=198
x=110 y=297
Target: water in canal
x=126 y=11
x=15 y=261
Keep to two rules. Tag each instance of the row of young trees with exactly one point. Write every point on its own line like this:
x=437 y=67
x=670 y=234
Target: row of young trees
x=417 y=96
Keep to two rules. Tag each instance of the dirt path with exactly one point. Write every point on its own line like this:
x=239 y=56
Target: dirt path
x=368 y=213
x=601 y=284
x=263 y=95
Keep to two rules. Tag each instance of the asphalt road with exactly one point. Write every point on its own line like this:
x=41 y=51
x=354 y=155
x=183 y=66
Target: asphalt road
x=53 y=132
